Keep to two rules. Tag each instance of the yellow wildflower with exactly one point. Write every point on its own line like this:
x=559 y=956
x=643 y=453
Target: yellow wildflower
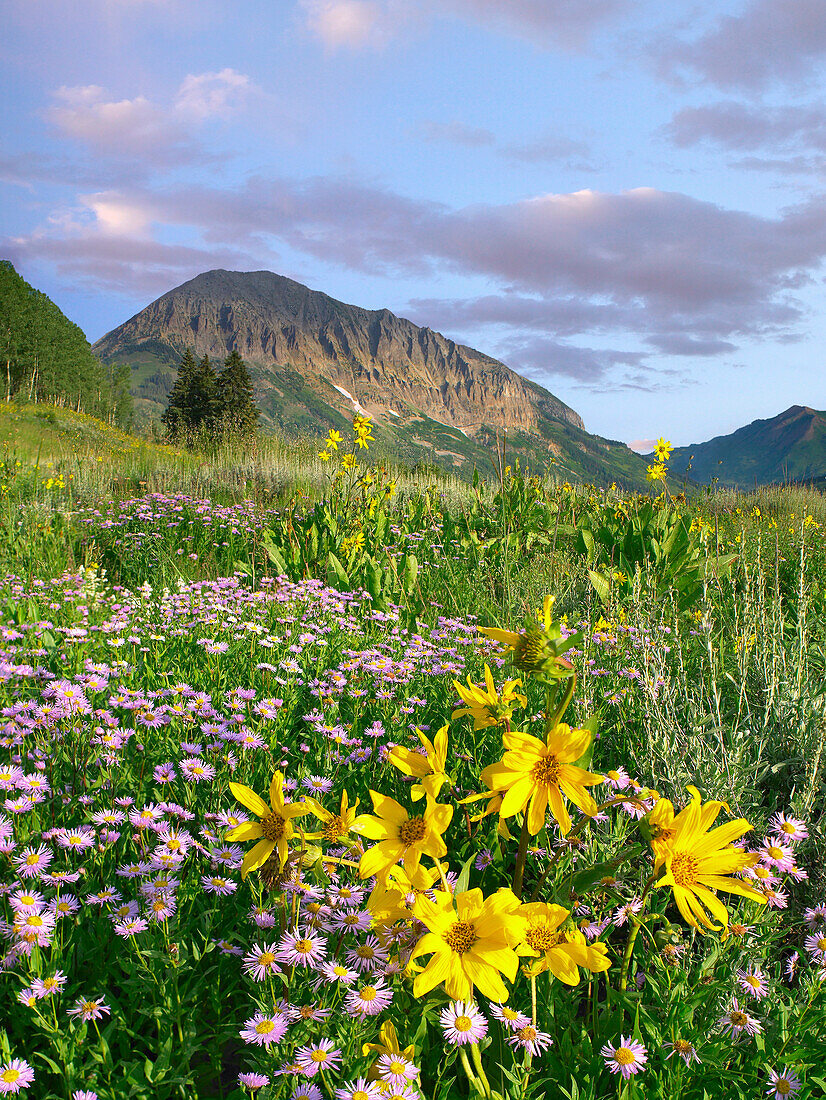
x=561 y=952
x=273 y=830
x=699 y=860
x=484 y=704
x=401 y=838
x=430 y=769
x=471 y=940
x=539 y=773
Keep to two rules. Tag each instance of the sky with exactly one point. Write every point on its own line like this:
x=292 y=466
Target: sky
x=623 y=200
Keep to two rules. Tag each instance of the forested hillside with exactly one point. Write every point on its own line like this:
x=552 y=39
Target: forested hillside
x=45 y=357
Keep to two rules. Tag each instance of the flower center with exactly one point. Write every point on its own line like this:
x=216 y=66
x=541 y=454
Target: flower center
x=365 y=951
x=266 y=958
x=527 y=1034
x=783 y=1086
x=542 y=939
x=684 y=868
x=272 y=826
x=10 y=1076
x=265 y=1027
x=624 y=1056
x=463 y=1023
x=397 y=1067
x=335 y=828
x=368 y=993
x=461 y=936
x=411 y=831
x=683 y=1046
x=319 y=1056
x=546 y=770
x=529 y=650
x=739 y=1019
x=303 y=947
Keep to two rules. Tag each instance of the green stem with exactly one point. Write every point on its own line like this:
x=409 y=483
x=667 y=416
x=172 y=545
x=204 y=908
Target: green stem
x=477 y=1062
x=633 y=932
x=471 y=1076
x=519 y=870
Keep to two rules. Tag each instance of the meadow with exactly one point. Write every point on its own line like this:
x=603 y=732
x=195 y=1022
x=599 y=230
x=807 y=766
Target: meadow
x=320 y=779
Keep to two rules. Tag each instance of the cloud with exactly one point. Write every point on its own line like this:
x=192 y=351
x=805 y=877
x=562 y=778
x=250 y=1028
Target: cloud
x=549 y=149
x=740 y=127
x=350 y=24
x=364 y=24
x=212 y=95
x=769 y=42
x=456 y=133
x=567 y=23
x=653 y=272
x=138 y=129
x=643 y=446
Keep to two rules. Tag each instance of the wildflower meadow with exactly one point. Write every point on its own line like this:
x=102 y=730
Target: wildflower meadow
x=396 y=789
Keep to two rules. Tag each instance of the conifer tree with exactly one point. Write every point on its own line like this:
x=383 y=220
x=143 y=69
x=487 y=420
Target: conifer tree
x=203 y=404
x=176 y=415
x=238 y=411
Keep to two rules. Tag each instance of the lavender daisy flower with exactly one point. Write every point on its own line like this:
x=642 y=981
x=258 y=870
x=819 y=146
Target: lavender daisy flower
x=321 y=1055
x=261 y=961
x=361 y=1089
x=626 y=1058
x=89 y=1010
x=369 y=1000
x=462 y=1022
x=530 y=1039
x=253 y=1080
x=308 y=1091
x=302 y=948
x=753 y=982
x=15 y=1075
x=396 y=1070
x=262 y=1030
x=509 y=1016
x=736 y=1021
x=683 y=1049
x=782 y=1084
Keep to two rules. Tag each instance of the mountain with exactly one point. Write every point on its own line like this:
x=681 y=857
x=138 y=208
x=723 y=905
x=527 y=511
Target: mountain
x=313 y=360
x=788 y=447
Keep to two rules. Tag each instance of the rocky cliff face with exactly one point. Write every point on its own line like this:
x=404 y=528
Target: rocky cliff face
x=345 y=354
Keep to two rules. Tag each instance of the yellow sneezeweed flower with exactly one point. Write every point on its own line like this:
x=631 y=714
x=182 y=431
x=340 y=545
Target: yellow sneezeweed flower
x=539 y=773
x=348 y=462
x=275 y=828
x=429 y=768
x=656 y=472
x=393 y=900
x=334 y=438
x=401 y=838
x=471 y=940
x=336 y=826
x=663 y=449
x=324 y=456
x=699 y=860
x=561 y=952
x=484 y=704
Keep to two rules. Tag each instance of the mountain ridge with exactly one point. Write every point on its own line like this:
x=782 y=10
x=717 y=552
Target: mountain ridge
x=314 y=360
x=788 y=447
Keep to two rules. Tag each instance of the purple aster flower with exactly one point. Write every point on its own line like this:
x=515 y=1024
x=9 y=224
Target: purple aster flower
x=263 y=1029
x=462 y=1022
x=626 y=1058
x=321 y=1055
x=15 y=1075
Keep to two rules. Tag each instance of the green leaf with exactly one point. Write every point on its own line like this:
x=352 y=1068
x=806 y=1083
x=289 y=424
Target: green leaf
x=601 y=585
x=336 y=576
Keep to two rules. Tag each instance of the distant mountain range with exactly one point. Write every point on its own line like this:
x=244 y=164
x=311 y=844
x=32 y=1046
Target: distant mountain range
x=314 y=360
x=788 y=447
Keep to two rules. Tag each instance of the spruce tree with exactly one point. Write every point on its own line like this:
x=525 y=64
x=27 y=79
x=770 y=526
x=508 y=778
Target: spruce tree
x=238 y=411
x=176 y=418
x=203 y=405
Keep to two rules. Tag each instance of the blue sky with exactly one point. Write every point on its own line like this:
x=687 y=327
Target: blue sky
x=623 y=200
